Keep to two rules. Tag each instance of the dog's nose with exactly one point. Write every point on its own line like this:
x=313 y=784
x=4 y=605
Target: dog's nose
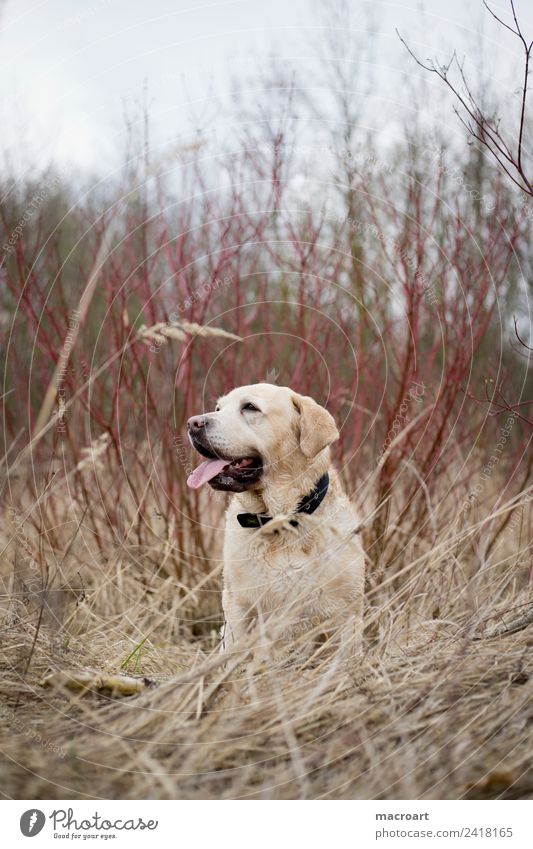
x=196 y=423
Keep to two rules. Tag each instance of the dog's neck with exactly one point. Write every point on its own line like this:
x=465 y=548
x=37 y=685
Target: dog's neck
x=285 y=494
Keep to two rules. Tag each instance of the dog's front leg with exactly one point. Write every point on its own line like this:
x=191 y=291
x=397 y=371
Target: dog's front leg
x=236 y=621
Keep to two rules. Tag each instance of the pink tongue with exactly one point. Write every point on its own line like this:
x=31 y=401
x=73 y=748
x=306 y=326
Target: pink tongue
x=204 y=472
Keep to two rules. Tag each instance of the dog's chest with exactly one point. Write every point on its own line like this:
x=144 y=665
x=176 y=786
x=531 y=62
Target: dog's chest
x=287 y=569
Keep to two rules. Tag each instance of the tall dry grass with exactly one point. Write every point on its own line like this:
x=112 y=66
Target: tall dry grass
x=440 y=706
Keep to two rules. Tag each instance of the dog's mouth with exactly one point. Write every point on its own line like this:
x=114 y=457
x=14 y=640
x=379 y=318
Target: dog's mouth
x=234 y=474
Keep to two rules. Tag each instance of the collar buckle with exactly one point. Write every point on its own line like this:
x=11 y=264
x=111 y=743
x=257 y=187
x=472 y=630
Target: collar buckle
x=308 y=505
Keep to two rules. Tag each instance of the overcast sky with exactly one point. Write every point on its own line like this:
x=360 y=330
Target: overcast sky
x=69 y=66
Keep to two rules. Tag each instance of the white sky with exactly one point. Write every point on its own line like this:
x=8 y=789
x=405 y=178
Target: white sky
x=68 y=66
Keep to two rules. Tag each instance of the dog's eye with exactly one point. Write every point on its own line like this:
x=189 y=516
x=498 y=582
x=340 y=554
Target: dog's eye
x=217 y=409
x=250 y=408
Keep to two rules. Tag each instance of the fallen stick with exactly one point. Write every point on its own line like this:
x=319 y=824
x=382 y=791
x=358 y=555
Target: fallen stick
x=117 y=685
x=511 y=627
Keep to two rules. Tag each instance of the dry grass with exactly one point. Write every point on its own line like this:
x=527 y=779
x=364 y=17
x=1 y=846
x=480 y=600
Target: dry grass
x=436 y=709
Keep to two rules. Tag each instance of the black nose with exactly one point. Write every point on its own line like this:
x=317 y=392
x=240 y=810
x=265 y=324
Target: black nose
x=196 y=423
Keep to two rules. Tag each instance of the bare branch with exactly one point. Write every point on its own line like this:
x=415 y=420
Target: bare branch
x=496 y=18
x=483 y=128
x=518 y=335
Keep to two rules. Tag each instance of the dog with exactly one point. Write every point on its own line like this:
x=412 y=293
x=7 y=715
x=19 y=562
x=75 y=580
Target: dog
x=292 y=547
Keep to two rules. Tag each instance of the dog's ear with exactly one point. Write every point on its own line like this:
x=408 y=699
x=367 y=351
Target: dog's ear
x=317 y=427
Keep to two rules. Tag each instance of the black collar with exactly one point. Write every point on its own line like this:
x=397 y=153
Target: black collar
x=308 y=504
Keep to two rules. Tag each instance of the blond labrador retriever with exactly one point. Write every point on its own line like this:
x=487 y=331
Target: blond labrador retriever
x=292 y=550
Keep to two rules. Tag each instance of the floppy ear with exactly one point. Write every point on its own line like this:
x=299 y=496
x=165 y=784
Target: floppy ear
x=317 y=427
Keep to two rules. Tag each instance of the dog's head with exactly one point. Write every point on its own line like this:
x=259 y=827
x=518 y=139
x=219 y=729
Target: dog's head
x=256 y=431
